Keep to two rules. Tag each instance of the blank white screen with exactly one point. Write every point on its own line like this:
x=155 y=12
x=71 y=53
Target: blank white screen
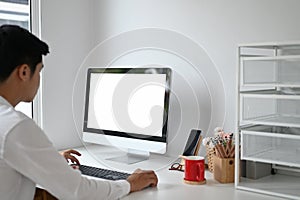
x=130 y=103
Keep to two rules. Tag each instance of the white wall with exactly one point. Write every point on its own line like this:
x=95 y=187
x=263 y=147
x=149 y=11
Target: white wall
x=66 y=27
x=206 y=33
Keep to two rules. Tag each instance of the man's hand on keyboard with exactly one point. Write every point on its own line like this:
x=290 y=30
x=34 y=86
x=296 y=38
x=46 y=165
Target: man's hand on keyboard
x=141 y=179
x=69 y=155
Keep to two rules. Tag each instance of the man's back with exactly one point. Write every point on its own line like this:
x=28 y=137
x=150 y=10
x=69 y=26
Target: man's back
x=12 y=183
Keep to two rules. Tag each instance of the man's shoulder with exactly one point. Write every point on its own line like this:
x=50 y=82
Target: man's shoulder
x=9 y=118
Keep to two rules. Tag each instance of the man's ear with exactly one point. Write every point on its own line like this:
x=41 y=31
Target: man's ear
x=24 y=72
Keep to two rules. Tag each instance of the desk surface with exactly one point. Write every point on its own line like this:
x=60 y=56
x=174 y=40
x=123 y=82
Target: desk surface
x=171 y=185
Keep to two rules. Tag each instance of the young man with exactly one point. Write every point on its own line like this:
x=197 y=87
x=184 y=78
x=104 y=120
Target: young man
x=27 y=157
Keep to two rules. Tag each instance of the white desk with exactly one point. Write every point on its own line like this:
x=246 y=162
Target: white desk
x=171 y=185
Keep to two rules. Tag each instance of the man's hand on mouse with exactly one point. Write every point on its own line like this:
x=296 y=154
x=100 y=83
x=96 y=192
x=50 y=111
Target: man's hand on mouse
x=141 y=179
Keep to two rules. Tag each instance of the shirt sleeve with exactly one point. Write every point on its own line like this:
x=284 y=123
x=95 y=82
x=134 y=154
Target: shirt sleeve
x=29 y=151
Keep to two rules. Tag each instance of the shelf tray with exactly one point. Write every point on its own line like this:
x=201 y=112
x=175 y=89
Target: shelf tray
x=272 y=94
x=273 y=58
x=275 y=145
x=271 y=45
x=280 y=185
x=275 y=156
x=274 y=84
x=276 y=120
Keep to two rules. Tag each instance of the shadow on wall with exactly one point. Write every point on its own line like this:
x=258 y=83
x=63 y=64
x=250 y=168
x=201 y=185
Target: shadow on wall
x=197 y=98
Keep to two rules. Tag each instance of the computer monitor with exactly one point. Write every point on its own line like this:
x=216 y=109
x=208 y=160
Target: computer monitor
x=128 y=108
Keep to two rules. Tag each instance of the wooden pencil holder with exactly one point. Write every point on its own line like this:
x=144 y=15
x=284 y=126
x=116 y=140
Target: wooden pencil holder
x=223 y=169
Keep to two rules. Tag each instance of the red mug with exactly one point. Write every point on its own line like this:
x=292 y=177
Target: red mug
x=194 y=169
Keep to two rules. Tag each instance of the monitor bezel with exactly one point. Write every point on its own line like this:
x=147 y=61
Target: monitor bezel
x=166 y=71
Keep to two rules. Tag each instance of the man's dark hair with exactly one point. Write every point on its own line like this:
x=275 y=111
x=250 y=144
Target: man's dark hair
x=18 y=46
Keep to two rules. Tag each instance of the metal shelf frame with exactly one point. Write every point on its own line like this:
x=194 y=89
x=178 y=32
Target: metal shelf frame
x=282 y=184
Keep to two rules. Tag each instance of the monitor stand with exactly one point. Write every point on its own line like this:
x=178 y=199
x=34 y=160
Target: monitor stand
x=132 y=156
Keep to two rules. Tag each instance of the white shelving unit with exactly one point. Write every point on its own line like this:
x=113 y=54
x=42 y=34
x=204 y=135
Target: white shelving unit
x=268 y=125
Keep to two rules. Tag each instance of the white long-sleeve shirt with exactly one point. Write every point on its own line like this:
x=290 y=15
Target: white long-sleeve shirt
x=27 y=158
